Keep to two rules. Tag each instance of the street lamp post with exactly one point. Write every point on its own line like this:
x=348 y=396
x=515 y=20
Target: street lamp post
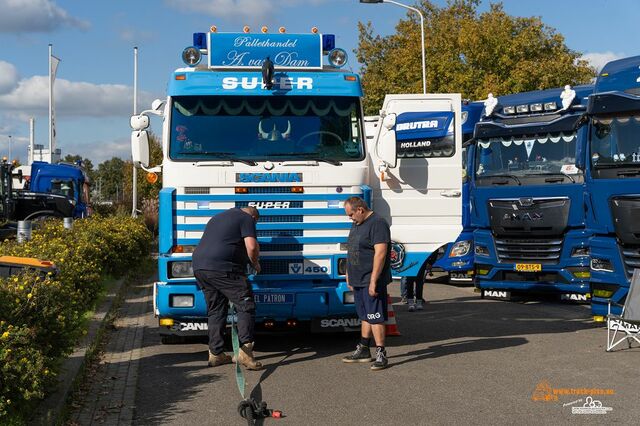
x=424 y=64
x=10 y=148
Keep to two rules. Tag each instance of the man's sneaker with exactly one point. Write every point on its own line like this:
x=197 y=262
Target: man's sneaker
x=381 y=361
x=412 y=305
x=361 y=354
x=220 y=359
x=245 y=357
x=403 y=300
x=419 y=305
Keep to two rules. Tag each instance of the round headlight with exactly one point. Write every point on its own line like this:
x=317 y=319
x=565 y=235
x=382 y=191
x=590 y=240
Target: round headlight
x=191 y=56
x=338 y=58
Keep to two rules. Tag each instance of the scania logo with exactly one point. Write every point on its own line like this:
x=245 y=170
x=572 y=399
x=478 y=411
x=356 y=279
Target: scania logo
x=268 y=177
x=522 y=217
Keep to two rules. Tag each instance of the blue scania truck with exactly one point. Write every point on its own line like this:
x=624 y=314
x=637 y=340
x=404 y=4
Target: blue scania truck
x=527 y=195
x=613 y=182
x=271 y=120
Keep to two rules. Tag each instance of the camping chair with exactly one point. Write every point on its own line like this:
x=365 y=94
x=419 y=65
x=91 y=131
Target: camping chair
x=629 y=320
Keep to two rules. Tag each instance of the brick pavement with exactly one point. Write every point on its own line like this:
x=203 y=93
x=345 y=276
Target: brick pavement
x=109 y=397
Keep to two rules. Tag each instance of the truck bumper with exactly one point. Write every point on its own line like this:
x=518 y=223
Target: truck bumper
x=182 y=310
x=610 y=283
x=570 y=276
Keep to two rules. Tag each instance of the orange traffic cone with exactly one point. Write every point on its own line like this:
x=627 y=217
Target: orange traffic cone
x=391 y=324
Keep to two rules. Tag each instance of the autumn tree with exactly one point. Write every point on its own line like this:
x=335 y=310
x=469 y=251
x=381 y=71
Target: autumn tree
x=109 y=180
x=467 y=52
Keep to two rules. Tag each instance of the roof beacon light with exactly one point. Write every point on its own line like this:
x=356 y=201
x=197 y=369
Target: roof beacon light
x=264 y=29
x=213 y=29
x=338 y=58
x=328 y=42
x=314 y=30
x=200 y=40
x=282 y=30
x=490 y=104
x=191 y=56
x=246 y=29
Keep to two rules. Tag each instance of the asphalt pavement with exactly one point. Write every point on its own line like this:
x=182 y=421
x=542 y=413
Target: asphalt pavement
x=463 y=360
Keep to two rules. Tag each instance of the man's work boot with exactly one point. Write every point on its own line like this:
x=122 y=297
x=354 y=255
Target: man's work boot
x=220 y=359
x=245 y=357
x=361 y=354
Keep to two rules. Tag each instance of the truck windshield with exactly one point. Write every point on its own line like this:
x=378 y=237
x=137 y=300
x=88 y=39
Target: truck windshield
x=259 y=128
x=528 y=156
x=615 y=142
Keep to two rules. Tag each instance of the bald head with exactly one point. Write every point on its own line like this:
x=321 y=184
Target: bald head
x=251 y=211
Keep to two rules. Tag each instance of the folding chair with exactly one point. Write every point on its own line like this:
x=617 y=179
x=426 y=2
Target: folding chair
x=629 y=319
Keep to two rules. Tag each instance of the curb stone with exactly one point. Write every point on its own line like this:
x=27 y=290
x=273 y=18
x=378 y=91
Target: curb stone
x=50 y=410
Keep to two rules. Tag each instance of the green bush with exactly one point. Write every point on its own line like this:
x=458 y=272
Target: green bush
x=42 y=315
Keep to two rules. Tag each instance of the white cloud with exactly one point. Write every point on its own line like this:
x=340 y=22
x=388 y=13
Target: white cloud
x=243 y=11
x=135 y=35
x=31 y=97
x=599 y=60
x=26 y=16
x=120 y=147
x=8 y=77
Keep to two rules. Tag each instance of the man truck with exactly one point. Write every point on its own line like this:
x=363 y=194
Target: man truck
x=527 y=195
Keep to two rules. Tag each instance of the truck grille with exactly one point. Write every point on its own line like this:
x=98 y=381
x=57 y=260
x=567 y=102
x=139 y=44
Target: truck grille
x=543 y=250
x=631 y=257
x=276 y=266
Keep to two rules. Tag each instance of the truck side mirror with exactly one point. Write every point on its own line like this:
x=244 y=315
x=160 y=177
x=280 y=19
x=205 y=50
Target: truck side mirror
x=157 y=104
x=139 y=122
x=140 y=148
x=387 y=141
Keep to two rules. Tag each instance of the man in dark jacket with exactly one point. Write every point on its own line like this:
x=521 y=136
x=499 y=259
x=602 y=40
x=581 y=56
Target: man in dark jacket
x=220 y=262
x=368 y=274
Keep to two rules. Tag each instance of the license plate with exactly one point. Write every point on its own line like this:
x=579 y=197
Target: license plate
x=528 y=267
x=274 y=298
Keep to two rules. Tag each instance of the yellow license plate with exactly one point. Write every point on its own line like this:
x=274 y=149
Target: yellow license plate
x=528 y=267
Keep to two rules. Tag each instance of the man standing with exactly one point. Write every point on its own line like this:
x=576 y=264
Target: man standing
x=368 y=274
x=220 y=262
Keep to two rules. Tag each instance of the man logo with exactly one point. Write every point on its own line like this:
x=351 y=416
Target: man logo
x=575 y=297
x=526 y=202
x=497 y=294
x=524 y=217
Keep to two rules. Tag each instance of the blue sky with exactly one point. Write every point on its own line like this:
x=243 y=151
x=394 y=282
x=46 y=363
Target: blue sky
x=95 y=40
